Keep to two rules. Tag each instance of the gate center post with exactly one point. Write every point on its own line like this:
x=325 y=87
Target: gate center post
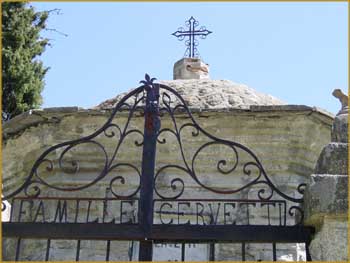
x=151 y=129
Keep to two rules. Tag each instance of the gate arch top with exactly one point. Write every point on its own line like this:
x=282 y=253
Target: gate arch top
x=154 y=101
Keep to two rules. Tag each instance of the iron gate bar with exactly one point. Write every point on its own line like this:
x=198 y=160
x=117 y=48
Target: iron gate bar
x=151 y=128
x=274 y=251
x=161 y=233
x=183 y=251
x=18 y=246
x=48 y=245
x=212 y=252
x=243 y=251
x=93 y=231
x=243 y=233
x=307 y=250
x=78 y=251
x=108 y=249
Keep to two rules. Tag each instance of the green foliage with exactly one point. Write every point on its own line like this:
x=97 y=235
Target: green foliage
x=22 y=72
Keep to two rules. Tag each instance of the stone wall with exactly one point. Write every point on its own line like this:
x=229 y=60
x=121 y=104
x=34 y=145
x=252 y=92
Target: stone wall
x=326 y=197
x=286 y=139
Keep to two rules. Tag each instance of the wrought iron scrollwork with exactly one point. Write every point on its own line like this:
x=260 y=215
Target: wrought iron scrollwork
x=170 y=104
x=32 y=184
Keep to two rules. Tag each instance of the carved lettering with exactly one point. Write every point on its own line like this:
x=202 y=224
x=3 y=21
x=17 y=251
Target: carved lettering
x=40 y=212
x=88 y=214
x=188 y=204
x=61 y=211
x=200 y=213
x=23 y=212
x=75 y=210
x=161 y=212
x=214 y=219
x=123 y=212
x=182 y=212
x=247 y=204
x=268 y=211
x=228 y=214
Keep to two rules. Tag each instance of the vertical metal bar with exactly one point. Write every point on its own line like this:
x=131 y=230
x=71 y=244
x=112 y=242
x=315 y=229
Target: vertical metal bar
x=12 y=209
x=274 y=251
x=146 y=250
x=243 y=251
x=78 y=251
x=48 y=244
x=131 y=250
x=151 y=128
x=280 y=213
x=308 y=255
x=183 y=252
x=18 y=247
x=20 y=209
x=212 y=252
x=108 y=249
x=76 y=211
x=192 y=38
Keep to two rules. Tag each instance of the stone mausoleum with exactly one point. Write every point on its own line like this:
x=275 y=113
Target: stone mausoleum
x=189 y=169
x=296 y=144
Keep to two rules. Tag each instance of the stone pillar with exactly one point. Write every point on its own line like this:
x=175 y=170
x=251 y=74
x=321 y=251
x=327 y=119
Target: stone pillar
x=326 y=196
x=191 y=68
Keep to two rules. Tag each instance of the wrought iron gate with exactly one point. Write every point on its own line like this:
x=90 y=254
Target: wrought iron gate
x=171 y=210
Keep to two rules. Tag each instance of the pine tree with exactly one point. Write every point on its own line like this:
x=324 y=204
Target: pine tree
x=22 y=72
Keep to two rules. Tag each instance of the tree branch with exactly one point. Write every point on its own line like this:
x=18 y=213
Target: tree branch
x=56 y=31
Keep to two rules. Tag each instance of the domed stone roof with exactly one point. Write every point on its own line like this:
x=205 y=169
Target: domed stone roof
x=210 y=94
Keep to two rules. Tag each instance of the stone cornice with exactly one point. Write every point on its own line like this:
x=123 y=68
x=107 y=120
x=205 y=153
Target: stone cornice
x=55 y=114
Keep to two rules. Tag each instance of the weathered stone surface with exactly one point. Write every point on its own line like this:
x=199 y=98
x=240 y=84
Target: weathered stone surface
x=287 y=135
x=211 y=94
x=325 y=195
x=340 y=128
x=330 y=243
x=44 y=116
x=333 y=159
x=62 y=109
x=343 y=99
x=21 y=122
x=191 y=68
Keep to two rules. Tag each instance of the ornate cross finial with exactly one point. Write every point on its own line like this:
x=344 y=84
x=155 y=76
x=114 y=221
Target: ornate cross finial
x=191 y=33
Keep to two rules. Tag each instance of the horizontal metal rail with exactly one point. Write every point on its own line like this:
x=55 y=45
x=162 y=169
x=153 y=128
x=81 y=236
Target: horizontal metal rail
x=159 y=233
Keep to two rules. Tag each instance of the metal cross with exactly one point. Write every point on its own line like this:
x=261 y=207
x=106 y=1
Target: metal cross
x=191 y=33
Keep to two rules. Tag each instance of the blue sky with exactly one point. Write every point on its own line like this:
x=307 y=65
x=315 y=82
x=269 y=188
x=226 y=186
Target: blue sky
x=295 y=51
